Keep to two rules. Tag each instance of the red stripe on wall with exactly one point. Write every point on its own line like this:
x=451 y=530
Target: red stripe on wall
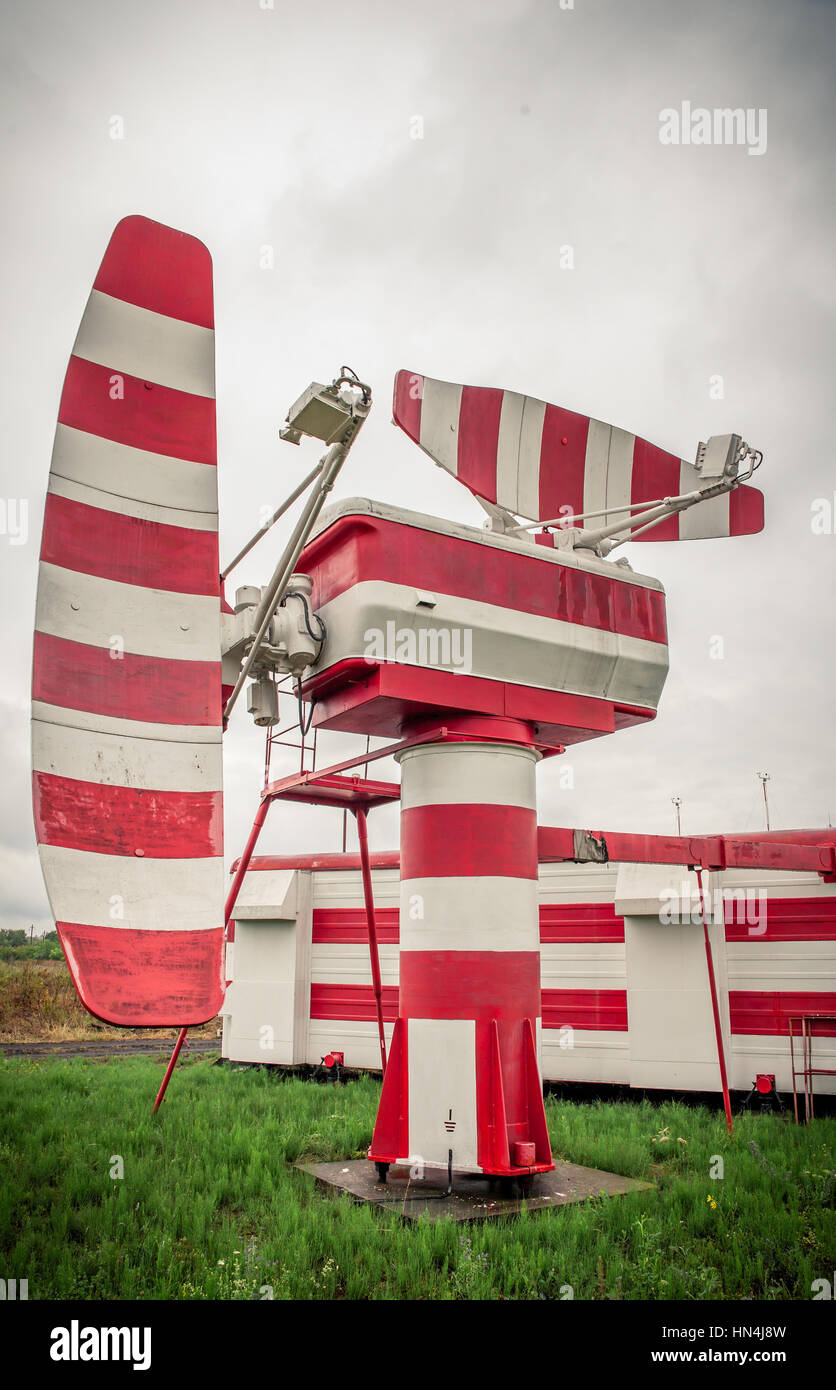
x=470 y=984
x=566 y=923
x=487 y=841
x=348 y=926
x=780 y=919
x=359 y=549
x=129 y=550
x=560 y=923
x=436 y=992
x=476 y=463
x=353 y=1002
x=158 y=268
x=122 y=820
x=767 y=1011
x=601 y=1009
x=147 y=416
x=77 y=676
x=562 y=463
x=145 y=978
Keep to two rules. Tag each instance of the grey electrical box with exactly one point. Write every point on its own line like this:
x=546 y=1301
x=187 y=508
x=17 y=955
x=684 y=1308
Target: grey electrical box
x=263 y=702
x=319 y=412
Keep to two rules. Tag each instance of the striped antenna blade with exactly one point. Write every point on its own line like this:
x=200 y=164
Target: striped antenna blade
x=126 y=686
x=542 y=462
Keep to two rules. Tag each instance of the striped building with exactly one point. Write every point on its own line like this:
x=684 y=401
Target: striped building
x=624 y=996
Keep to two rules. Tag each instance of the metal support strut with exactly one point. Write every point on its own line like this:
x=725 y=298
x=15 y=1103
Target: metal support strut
x=718 y=1029
x=244 y=863
x=362 y=835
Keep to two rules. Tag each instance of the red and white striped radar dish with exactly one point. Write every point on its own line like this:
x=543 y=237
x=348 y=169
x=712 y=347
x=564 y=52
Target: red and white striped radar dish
x=542 y=462
x=126 y=686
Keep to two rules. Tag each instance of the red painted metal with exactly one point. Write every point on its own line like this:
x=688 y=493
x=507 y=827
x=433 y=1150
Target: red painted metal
x=379 y=859
x=560 y=923
x=781 y=919
x=128 y=549
x=356 y=696
x=812 y=1024
x=240 y=872
x=180 y=973
x=803 y=850
x=159 y=269
x=481 y=985
x=390 y=1139
x=563 y=454
x=810 y=851
x=242 y=864
x=363 y=548
x=319 y=789
x=146 y=416
x=565 y=923
x=450 y=975
x=600 y=1010
x=155 y=689
x=715 y=1007
x=469 y=729
x=359 y=1003
x=489 y=841
x=125 y=442
x=109 y=819
x=181 y=1038
x=767 y=1012
x=348 y=926
x=362 y=835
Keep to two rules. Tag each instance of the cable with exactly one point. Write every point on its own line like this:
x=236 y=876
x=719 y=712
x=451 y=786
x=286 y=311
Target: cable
x=305 y=728
x=317 y=636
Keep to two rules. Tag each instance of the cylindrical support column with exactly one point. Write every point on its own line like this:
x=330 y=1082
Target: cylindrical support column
x=463 y=1069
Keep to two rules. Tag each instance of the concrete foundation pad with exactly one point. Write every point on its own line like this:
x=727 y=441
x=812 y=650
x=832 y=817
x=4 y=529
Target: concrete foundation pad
x=473 y=1198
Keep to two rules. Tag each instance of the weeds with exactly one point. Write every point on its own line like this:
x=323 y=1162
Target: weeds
x=210 y=1207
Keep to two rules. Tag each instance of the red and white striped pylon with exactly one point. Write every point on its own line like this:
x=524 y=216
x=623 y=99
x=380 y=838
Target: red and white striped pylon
x=463 y=1072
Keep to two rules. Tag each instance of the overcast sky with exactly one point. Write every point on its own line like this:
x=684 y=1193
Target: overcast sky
x=293 y=127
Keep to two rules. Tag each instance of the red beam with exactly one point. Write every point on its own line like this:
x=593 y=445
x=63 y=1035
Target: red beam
x=811 y=851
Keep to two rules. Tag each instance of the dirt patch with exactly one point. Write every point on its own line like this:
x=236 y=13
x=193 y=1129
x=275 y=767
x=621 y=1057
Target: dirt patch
x=133 y=1046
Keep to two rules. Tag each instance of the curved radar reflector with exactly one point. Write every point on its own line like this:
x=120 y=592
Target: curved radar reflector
x=541 y=462
x=126 y=684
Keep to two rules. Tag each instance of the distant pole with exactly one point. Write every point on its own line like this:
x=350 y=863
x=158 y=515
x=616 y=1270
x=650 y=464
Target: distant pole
x=677 y=802
x=765 y=777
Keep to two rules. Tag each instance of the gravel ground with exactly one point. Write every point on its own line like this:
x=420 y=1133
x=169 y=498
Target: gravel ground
x=109 y=1047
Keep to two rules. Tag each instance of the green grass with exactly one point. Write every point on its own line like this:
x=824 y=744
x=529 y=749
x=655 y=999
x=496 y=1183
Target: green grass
x=209 y=1206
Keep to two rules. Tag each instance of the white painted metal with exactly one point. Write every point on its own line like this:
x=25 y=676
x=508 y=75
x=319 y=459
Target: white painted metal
x=148 y=622
x=141 y=343
x=134 y=474
x=125 y=728
x=113 y=890
x=504 y=909
x=441 y=1094
x=457 y=775
x=503 y=644
x=439 y=422
x=88 y=755
x=125 y=506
